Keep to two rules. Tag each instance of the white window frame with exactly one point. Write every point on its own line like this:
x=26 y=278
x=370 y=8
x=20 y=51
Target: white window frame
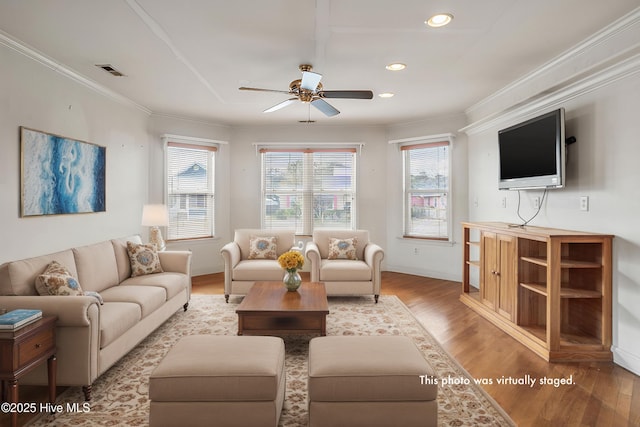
x=200 y=144
x=405 y=145
x=307 y=192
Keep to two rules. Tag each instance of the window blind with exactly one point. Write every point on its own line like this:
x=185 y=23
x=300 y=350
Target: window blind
x=190 y=190
x=426 y=190
x=306 y=189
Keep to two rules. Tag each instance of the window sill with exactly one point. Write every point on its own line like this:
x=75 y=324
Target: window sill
x=426 y=241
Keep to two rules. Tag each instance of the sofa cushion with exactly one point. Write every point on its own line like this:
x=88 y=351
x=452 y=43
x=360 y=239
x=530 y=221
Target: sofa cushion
x=122 y=255
x=173 y=283
x=149 y=298
x=285 y=238
x=263 y=247
x=258 y=269
x=115 y=319
x=96 y=264
x=19 y=277
x=342 y=248
x=144 y=259
x=344 y=270
x=56 y=280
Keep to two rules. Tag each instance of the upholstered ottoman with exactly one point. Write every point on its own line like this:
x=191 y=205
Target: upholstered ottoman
x=359 y=381
x=207 y=380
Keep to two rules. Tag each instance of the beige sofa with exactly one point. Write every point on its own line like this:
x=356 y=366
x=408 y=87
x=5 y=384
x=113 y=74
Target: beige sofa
x=360 y=276
x=240 y=272
x=91 y=337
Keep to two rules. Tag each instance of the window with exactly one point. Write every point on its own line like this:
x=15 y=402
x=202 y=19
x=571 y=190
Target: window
x=190 y=190
x=308 y=189
x=426 y=190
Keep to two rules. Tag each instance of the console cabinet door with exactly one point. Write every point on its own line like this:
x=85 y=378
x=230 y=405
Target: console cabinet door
x=508 y=277
x=498 y=272
x=489 y=266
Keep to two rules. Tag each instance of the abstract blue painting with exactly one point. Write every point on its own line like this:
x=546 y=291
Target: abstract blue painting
x=61 y=175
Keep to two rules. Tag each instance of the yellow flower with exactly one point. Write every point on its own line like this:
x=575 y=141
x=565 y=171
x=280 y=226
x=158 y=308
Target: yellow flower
x=291 y=260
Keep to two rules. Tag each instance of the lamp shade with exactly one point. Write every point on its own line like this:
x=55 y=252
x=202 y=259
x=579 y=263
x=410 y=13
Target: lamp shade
x=155 y=215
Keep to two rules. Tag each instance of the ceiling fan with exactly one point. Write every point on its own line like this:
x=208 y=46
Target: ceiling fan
x=309 y=90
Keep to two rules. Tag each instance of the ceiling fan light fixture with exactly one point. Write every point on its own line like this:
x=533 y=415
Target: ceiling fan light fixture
x=386 y=94
x=396 y=66
x=439 y=20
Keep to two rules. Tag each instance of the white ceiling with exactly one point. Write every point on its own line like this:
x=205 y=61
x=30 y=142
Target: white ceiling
x=187 y=58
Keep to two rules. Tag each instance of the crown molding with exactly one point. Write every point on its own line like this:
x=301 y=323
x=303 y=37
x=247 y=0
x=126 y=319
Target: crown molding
x=42 y=59
x=626 y=23
x=556 y=98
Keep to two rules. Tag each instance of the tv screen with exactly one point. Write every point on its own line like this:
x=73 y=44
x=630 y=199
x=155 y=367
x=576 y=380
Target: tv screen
x=532 y=153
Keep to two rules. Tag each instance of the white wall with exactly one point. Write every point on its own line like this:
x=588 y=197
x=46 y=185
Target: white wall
x=441 y=260
x=35 y=96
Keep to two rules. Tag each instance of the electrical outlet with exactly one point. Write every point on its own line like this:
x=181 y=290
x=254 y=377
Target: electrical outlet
x=504 y=202
x=536 y=202
x=416 y=251
x=584 y=203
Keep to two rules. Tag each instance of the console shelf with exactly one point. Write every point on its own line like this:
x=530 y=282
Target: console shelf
x=550 y=289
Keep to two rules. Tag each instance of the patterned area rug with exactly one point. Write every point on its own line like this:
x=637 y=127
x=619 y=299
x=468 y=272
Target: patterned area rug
x=120 y=396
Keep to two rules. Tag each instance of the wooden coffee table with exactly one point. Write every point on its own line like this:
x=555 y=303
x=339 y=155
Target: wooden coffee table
x=269 y=309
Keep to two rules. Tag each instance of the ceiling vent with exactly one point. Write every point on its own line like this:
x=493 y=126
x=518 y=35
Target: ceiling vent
x=109 y=69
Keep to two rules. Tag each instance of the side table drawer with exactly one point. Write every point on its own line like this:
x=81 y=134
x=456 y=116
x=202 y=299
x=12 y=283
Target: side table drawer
x=34 y=346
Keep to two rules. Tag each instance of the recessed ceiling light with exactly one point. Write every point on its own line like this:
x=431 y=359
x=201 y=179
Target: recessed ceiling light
x=396 y=66
x=439 y=20
x=386 y=94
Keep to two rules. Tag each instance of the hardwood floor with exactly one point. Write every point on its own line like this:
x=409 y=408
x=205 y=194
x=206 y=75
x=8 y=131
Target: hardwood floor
x=603 y=394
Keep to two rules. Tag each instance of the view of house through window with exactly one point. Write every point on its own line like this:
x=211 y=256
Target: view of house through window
x=308 y=189
x=190 y=190
x=426 y=190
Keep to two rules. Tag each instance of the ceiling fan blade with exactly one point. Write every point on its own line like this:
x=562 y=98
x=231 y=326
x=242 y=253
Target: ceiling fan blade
x=310 y=80
x=350 y=94
x=325 y=107
x=280 y=105
x=255 y=89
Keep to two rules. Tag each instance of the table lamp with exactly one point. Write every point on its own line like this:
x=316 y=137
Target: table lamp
x=155 y=216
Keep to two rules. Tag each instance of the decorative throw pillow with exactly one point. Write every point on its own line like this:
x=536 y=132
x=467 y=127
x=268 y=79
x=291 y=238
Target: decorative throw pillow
x=57 y=280
x=144 y=259
x=262 y=248
x=342 y=248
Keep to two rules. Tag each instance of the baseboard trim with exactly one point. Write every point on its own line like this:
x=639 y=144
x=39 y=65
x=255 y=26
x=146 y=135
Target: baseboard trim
x=627 y=360
x=424 y=273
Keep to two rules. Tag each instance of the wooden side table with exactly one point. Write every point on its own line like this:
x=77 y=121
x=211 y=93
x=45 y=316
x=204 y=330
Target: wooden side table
x=24 y=349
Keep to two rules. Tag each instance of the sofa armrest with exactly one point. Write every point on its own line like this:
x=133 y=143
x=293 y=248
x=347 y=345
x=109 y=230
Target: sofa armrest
x=71 y=311
x=312 y=253
x=176 y=261
x=373 y=256
x=231 y=255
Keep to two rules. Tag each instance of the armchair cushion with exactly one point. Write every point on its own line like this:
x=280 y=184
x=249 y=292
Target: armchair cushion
x=344 y=270
x=263 y=247
x=342 y=248
x=285 y=240
x=323 y=239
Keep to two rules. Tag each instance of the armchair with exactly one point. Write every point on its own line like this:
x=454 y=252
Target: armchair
x=359 y=276
x=241 y=272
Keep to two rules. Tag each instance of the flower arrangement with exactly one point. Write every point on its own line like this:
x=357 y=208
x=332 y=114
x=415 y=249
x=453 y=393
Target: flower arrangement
x=291 y=261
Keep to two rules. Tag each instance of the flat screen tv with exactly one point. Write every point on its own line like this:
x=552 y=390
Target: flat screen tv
x=532 y=153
